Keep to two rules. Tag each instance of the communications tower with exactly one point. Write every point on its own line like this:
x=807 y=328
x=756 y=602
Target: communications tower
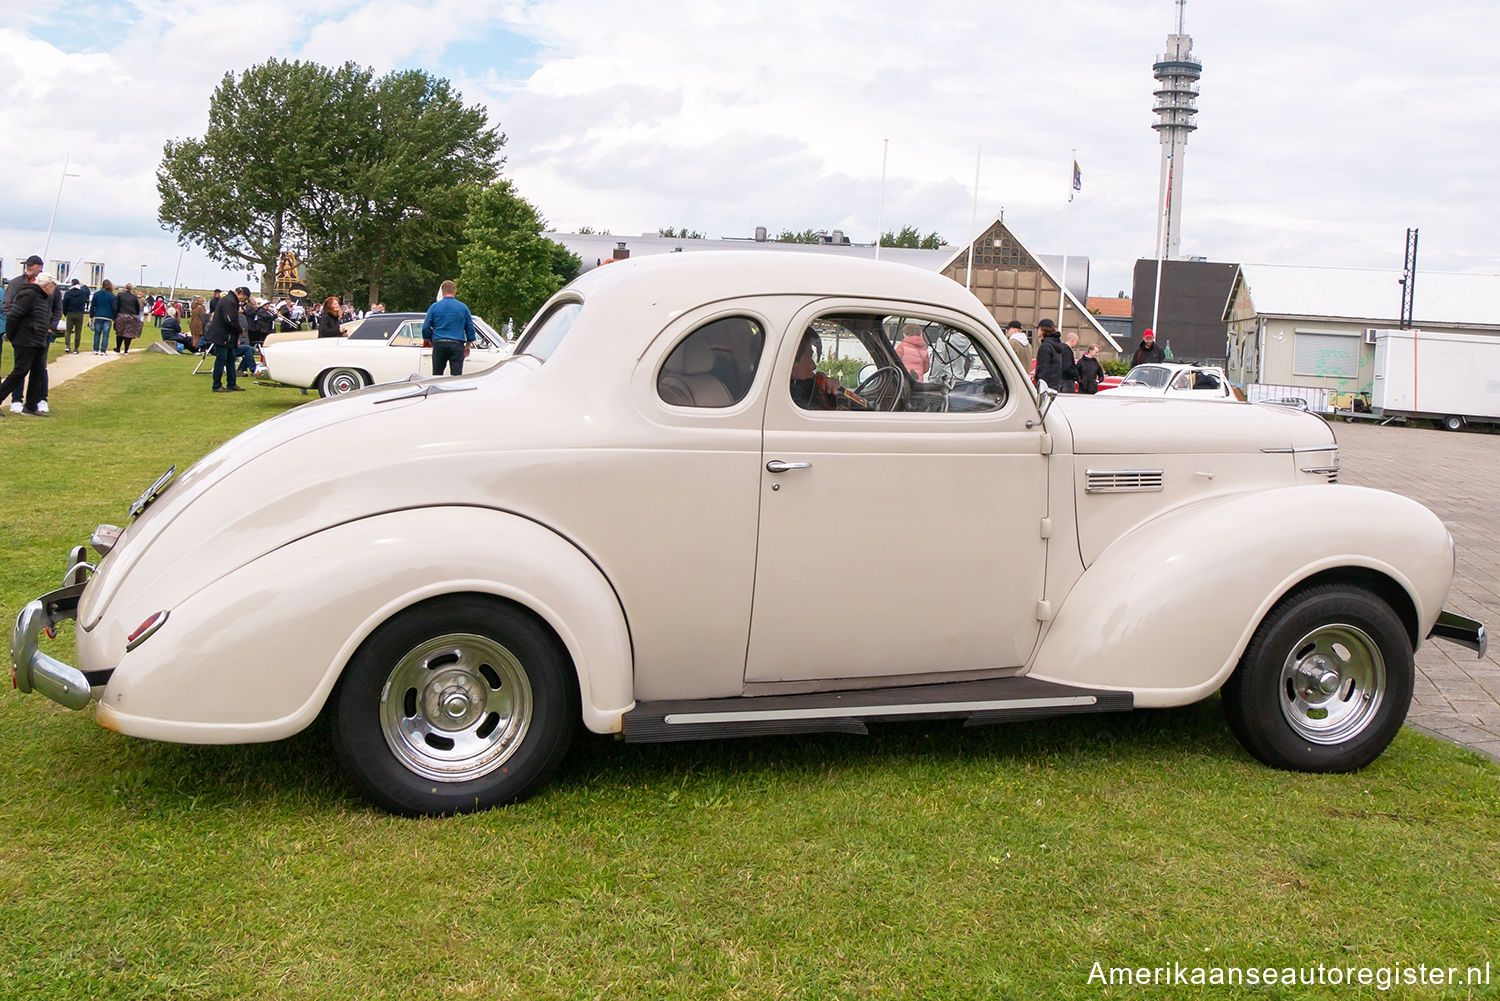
x=1177 y=73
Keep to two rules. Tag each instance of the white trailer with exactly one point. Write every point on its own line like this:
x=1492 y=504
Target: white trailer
x=1452 y=378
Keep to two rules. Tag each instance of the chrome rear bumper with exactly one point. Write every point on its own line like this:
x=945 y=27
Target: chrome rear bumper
x=32 y=670
x=1462 y=630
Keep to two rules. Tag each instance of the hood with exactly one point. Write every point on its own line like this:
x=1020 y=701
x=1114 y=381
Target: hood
x=1107 y=424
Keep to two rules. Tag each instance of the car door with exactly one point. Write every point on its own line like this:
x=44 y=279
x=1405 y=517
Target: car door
x=897 y=543
x=404 y=355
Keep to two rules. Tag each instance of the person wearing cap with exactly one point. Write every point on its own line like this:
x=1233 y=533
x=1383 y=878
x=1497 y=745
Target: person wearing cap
x=33 y=268
x=1020 y=344
x=1148 y=352
x=1050 y=353
x=29 y=318
x=75 y=301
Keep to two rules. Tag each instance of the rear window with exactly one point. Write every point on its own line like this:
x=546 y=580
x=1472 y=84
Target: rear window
x=548 y=332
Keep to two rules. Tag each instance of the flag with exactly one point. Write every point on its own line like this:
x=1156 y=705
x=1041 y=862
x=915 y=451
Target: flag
x=1077 y=179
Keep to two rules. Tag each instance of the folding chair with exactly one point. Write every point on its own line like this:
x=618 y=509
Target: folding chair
x=205 y=357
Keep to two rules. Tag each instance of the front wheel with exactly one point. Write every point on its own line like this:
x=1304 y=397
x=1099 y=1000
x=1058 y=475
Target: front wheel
x=1453 y=422
x=458 y=704
x=1325 y=684
x=338 y=381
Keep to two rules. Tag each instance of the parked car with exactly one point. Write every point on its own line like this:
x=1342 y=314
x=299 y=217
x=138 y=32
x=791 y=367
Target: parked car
x=1185 y=382
x=658 y=519
x=386 y=347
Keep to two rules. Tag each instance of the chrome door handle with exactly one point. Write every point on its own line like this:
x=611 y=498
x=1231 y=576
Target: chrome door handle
x=777 y=466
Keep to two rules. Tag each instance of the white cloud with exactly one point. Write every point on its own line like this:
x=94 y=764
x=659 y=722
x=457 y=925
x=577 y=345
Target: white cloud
x=1325 y=129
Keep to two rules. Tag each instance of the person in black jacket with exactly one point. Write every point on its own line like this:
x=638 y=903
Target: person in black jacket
x=29 y=319
x=75 y=302
x=1090 y=371
x=224 y=334
x=1148 y=352
x=1051 y=355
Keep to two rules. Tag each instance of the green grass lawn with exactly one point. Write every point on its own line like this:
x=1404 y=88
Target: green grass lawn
x=925 y=861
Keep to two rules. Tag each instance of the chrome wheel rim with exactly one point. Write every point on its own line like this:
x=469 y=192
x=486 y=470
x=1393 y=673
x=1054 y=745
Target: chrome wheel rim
x=1332 y=683
x=344 y=382
x=456 y=707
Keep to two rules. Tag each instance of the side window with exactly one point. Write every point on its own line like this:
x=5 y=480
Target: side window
x=544 y=335
x=714 y=365
x=408 y=335
x=893 y=363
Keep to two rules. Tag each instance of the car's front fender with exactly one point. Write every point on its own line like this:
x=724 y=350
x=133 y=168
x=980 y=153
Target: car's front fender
x=1167 y=609
x=253 y=656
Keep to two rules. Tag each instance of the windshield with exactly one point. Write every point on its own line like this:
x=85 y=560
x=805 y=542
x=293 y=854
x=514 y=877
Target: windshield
x=1154 y=376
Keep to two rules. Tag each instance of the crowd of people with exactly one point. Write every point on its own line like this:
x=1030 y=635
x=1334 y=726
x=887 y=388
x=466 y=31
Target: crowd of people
x=38 y=310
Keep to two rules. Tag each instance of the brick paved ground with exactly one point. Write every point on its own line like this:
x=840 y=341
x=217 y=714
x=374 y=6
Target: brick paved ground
x=1457 y=475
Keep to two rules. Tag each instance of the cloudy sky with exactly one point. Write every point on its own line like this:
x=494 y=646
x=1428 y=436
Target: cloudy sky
x=1325 y=128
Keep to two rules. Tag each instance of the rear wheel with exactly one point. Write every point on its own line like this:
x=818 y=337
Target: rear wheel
x=1453 y=422
x=1326 y=682
x=338 y=381
x=457 y=704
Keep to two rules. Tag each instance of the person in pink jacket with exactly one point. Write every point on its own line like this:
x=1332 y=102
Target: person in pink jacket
x=913 y=352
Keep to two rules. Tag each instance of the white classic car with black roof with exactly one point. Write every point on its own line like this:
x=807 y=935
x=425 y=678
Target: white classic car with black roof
x=384 y=347
x=640 y=522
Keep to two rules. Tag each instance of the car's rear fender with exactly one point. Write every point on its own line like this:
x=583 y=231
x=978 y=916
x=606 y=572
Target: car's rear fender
x=1167 y=609
x=253 y=656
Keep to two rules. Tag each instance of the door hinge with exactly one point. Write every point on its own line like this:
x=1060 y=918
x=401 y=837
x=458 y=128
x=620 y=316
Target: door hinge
x=1046 y=440
x=1044 y=611
x=1046 y=528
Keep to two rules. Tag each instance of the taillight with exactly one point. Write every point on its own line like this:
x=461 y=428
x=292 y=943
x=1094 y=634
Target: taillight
x=145 y=629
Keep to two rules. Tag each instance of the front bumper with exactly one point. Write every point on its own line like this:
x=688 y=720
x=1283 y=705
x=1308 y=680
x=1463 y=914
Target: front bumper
x=32 y=670
x=1462 y=630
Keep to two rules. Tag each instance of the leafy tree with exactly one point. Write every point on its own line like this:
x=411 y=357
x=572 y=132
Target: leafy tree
x=565 y=264
x=238 y=192
x=505 y=267
x=679 y=234
x=364 y=178
x=415 y=156
x=910 y=236
x=591 y=231
x=806 y=236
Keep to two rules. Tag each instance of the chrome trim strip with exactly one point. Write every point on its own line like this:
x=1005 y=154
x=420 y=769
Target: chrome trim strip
x=1298 y=450
x=853 y=712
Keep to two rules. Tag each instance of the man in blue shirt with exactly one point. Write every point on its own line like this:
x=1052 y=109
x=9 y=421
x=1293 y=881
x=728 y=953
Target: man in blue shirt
x=450 y=328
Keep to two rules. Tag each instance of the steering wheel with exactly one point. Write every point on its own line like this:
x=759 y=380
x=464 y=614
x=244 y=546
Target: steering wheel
x=886 y=382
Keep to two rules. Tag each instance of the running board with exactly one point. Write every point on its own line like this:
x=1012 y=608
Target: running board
x=977 y=703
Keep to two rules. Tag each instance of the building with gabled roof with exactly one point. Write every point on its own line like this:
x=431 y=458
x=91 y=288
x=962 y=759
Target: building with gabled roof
x=1015 y=284
x=1292 y=325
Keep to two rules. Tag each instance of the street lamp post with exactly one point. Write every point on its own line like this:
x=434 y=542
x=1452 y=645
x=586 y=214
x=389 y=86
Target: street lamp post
x=47 y=244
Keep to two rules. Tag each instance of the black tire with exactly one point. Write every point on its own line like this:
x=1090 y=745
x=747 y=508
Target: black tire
x=1282 y=703
x=460 y=703
x=338 y=381
x=1453 y=422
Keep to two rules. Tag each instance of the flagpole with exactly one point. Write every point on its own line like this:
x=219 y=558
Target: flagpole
x=973 y=220
x=181 y=249
x=880 y=212
x=1062 y=289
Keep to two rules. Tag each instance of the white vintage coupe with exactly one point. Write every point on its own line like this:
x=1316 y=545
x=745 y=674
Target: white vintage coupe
x=642 y=522
x=1178 y=382
x=383 y=348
